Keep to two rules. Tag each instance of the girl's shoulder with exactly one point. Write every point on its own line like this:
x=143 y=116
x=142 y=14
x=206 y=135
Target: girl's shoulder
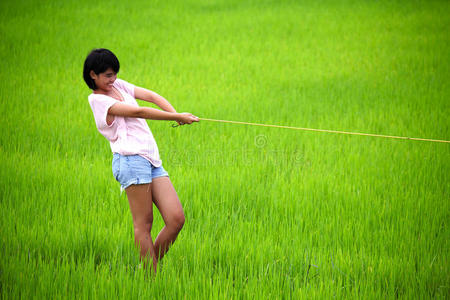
x=96 y=97
x=125 y=86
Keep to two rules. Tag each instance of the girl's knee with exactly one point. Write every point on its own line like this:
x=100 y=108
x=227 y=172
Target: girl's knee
x=142 y=228
x=177 y=221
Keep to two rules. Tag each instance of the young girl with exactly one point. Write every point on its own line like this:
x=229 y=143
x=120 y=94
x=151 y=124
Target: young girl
x=136 y=164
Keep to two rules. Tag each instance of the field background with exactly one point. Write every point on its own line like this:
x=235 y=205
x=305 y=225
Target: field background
x=270 y=213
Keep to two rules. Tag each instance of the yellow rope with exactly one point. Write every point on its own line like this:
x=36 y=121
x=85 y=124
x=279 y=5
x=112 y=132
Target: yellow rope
x=326 y=130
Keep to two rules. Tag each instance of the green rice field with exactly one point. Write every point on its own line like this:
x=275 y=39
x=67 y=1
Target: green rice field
x=270 y=213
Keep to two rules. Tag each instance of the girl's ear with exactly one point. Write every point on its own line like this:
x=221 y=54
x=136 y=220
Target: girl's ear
x=93 y=77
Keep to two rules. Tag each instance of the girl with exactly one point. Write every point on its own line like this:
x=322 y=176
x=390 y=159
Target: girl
x=136 y=164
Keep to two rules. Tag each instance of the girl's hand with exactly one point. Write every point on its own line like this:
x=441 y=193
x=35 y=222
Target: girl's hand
x=186 y=118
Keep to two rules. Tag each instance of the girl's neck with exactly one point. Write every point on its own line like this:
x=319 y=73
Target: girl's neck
x=113 y=93
x=99 y=91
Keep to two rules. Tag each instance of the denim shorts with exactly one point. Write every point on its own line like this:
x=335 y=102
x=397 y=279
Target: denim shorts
x=134 y=169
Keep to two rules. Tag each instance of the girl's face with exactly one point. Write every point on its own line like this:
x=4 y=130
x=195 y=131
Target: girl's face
x=105 y=80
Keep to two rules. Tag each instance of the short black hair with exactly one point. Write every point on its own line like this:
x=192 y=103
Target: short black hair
x=99 y=60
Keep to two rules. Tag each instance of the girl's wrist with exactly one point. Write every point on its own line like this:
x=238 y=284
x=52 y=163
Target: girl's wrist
x=177 y=116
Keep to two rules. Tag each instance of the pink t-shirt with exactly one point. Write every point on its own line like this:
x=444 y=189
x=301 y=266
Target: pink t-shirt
x=127 y=136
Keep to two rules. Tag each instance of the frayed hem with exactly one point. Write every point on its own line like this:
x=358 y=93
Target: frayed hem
x=134 y=181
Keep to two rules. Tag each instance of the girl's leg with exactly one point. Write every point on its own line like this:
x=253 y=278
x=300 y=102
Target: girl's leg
x=166 y=200
x=141 y=206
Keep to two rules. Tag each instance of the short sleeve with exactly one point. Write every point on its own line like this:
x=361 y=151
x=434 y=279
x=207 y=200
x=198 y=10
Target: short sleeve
x=125 y=86
x=100 y=105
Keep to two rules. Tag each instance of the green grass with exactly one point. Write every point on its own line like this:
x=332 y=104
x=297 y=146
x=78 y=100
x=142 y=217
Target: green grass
x=270 y=213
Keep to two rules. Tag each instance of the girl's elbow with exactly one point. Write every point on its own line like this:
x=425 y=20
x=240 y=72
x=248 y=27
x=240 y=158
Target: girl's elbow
x=139 y=112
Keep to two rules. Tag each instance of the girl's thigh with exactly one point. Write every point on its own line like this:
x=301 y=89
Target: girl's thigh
x=140 y=200
x=166 y=200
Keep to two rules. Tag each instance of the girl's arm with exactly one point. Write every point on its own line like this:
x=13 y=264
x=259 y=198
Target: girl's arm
x=150 y=96
x=127 y=110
